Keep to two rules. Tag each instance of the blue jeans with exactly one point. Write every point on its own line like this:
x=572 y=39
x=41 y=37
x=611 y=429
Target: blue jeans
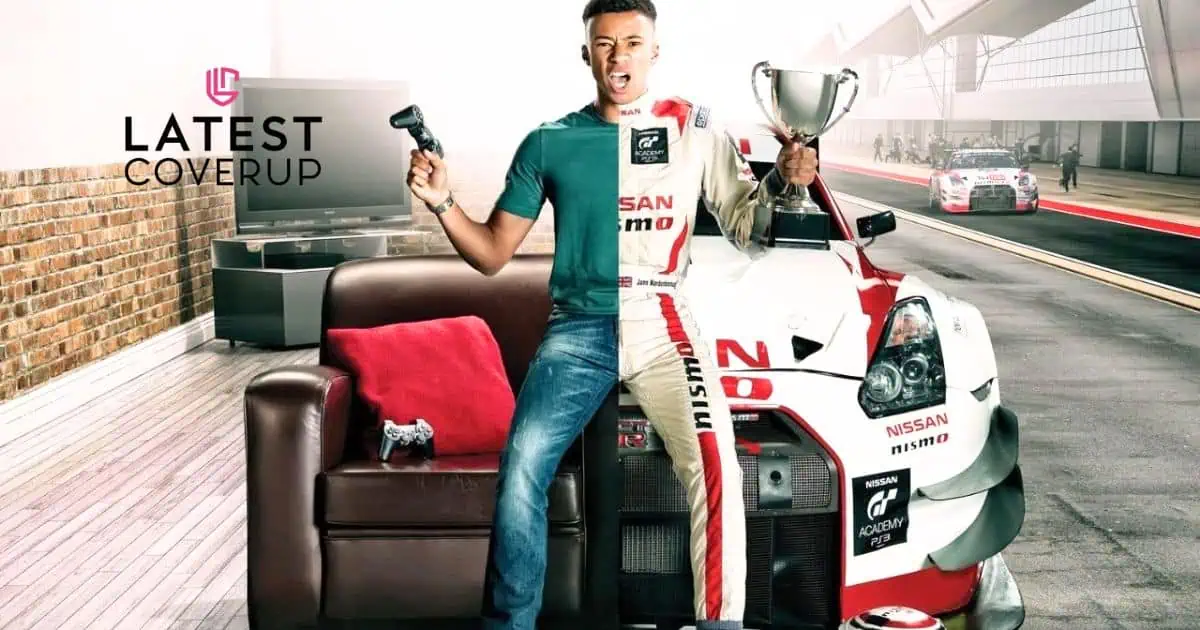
x=572 y=373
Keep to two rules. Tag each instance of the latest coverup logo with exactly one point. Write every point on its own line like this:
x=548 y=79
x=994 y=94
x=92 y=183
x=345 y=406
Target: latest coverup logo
x=245 y=133
x=218 y=82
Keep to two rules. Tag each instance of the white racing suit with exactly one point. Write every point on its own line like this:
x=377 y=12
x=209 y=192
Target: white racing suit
x=672 y=155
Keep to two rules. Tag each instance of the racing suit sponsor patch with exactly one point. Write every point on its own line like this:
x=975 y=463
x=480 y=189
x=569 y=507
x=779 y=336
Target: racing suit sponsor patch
x=701 y=120
x=881 y=510
x=649 y=146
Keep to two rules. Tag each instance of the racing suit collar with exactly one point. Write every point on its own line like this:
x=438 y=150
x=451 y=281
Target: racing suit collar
x=642 y=105
x=639 y=107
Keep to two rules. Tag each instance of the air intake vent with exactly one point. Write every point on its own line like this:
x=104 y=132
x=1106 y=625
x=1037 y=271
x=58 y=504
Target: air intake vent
x=803 y=348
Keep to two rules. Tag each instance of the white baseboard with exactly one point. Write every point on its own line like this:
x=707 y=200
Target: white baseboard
x=84 y=384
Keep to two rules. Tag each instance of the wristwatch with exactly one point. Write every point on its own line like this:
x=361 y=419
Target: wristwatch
x=442 y=207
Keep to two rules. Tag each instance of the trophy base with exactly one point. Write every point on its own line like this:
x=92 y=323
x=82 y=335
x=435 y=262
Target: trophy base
x=798 y=204
x=802 y=230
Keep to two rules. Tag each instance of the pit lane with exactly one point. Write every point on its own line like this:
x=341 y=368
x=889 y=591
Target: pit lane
x=1168 y=259
x=1107 y=387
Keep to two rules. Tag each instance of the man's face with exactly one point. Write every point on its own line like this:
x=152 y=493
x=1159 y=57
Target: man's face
x=621 y=49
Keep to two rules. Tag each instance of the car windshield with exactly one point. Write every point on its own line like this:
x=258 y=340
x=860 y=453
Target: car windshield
x=983 y=160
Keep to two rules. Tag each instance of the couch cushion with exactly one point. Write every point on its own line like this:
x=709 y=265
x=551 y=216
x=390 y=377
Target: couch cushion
x=432 y=574
x=444 y=491
x=386 y=290
x=446 y=371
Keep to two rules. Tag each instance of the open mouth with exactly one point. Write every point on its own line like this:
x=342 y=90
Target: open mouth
x=619 y=79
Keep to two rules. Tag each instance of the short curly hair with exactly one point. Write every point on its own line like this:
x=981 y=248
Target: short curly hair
x=597 y=7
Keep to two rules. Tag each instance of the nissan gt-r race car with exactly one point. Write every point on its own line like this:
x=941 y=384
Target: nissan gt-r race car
x=880 y=465
x=982 y=180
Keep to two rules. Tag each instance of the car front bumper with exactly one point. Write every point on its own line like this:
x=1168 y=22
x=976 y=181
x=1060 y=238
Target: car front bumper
x=997 y=604
x=1015 y=199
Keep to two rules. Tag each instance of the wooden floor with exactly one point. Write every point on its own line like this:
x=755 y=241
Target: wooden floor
x=129 y=512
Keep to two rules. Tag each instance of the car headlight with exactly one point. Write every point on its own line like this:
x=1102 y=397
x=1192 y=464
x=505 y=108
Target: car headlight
x=907 y=371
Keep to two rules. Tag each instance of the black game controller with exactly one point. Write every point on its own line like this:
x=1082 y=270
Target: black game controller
x=410 y=118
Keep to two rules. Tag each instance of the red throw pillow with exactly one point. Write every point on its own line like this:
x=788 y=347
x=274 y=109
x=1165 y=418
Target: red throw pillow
x=447 y=371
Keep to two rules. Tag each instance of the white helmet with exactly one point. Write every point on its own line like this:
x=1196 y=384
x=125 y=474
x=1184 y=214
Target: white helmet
x=893 y=618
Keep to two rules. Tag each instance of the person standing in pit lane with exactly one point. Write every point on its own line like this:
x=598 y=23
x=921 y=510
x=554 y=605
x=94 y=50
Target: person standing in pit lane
x=1070 y=168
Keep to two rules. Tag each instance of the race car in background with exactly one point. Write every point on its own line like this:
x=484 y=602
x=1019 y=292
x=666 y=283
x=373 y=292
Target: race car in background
x=880 y=466
x=982 y=180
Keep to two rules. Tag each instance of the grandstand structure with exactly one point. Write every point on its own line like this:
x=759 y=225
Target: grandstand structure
x=1119 y=78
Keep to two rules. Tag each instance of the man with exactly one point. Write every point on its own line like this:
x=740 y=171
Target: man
x=878 y=147
x=1070 y=168
x=673 y=153
x=584 y=165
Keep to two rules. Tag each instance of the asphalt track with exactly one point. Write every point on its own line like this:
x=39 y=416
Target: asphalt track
x=1168 y=259
x=1107 y=386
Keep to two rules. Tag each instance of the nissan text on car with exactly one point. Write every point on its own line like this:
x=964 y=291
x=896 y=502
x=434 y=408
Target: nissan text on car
x=880 y=465
x=982 y=180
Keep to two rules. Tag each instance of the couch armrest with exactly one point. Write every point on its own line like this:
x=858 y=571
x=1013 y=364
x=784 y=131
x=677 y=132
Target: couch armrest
x=296 y=424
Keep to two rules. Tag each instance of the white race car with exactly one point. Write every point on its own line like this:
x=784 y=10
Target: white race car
x=982 y=180
x=881 y=468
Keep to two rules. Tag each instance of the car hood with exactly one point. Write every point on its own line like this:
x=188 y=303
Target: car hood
x=821 y=310
x=986 y=175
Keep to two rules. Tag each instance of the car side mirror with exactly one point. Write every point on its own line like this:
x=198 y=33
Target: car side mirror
x=877 y=224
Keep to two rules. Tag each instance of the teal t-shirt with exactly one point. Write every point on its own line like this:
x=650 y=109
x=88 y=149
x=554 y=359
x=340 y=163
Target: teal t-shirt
x=572 y=162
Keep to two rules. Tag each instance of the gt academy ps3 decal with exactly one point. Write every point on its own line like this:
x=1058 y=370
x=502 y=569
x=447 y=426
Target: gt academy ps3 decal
x=880 y=510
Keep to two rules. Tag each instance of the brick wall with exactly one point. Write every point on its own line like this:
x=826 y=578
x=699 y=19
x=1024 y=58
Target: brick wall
x=90 y=264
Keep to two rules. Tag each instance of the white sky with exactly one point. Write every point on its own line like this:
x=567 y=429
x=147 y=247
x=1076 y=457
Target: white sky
x=519 y=61
x=484 y=71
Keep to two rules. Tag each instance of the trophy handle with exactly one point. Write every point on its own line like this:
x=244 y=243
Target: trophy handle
x=847 y=74
x=765 y=67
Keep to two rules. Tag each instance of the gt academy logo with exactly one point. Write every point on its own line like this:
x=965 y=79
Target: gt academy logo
x=877 y=505
x=701 y=118
x=649 y=146
x=880 y=510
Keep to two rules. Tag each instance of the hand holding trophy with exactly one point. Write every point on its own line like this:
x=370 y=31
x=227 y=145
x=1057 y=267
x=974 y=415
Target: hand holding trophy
x=802 y=104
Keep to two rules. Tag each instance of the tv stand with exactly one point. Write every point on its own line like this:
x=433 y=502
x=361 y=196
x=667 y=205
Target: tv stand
x=328 y=232
x=268 y=289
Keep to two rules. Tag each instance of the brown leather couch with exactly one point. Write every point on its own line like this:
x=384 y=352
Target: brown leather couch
x=335 y=539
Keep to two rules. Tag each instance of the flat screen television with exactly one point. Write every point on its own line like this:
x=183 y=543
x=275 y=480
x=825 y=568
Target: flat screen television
x=362 y=160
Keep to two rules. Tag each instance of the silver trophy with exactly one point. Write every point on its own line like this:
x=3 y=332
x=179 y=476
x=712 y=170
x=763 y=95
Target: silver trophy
x=801 y=110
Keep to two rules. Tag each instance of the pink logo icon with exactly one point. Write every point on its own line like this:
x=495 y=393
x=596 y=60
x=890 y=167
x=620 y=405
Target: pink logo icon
x=219 y=85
